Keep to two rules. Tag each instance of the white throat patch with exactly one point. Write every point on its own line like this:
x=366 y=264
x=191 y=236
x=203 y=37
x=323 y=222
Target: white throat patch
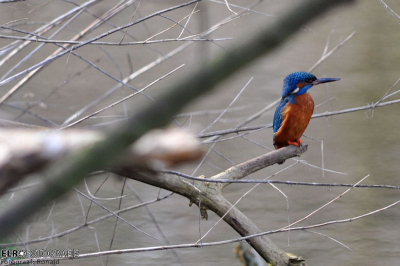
x=295 y=91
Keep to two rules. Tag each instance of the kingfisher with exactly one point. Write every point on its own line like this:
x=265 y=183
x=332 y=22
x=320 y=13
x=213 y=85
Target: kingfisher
x=295 y=108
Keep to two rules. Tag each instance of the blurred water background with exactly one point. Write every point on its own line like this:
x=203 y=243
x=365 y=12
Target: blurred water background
x=357 y=144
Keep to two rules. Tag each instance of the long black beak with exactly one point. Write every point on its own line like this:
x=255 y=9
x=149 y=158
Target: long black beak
x=324 y=80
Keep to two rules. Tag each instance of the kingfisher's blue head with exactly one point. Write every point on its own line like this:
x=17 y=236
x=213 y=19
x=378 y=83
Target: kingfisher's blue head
x=299 y=82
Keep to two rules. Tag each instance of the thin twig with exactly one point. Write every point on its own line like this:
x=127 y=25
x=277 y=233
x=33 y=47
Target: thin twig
x=331 y=238
x=133 y=15
x=187 y=21
x=116 y=220
x=386 y=94
x=214 y=112
x=326 y=204
x=170 y=27
x=119 y=101
x=107 y=199
x=243 y=8
x=115 y=214
x=391 y=11
x=233 y=101
x=229 y=8
x=320 y=61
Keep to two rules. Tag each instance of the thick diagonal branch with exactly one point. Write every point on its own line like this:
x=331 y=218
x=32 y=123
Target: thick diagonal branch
x=213 y=200
x=210 y=197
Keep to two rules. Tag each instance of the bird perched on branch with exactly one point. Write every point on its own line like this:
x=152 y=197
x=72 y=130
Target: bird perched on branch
x=295 y=109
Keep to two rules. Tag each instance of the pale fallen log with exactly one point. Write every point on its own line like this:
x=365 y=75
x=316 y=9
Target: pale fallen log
x=25 y=151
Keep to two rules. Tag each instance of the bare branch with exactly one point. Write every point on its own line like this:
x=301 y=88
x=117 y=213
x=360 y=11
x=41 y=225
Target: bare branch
x=326 y=56
x=244 y=169
x=227 y=5
x=331 y=238
x=391 y=11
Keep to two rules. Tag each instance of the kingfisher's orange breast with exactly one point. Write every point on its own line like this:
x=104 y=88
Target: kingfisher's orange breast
x=295 y=118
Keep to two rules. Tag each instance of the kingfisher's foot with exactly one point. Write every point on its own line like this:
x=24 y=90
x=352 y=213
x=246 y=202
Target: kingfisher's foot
x=300 y=142
x=296 y=143
x=293 y=143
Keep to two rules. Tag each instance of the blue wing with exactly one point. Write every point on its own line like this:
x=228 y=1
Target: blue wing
x=278 y=112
